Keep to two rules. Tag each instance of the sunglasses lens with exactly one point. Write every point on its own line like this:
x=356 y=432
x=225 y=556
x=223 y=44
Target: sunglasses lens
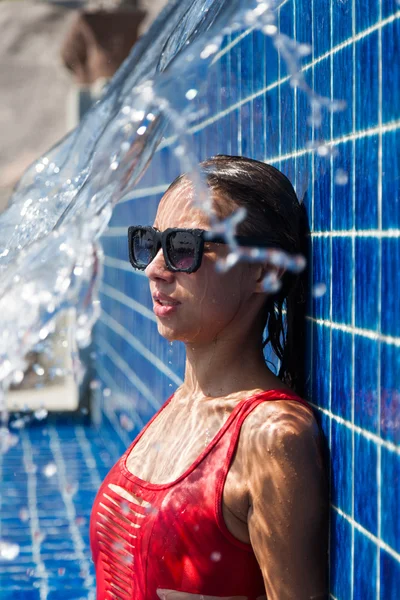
x=142 y=248
x=181 y=250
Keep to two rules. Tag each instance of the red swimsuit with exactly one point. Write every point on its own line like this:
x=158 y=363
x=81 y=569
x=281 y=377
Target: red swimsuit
x=177 y=539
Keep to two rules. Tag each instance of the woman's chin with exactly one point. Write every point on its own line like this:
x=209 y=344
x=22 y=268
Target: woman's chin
x=174 y=333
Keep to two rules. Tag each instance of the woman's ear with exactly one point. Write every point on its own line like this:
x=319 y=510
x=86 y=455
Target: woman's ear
x=268 y=278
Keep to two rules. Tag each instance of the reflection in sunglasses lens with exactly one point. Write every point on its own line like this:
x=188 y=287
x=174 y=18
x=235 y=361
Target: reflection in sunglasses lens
x=143 y=248
x=181 y=249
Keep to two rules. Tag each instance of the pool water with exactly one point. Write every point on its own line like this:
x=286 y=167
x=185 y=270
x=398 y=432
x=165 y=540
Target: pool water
x=49 y=481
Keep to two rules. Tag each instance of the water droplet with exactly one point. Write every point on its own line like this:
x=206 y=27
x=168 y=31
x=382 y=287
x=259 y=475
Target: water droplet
x=38 y=369
x=18 y=423
x=106 y=392
x=7 y=440
x=126 y=422
x=50 y=470
x=216 y=556
x=318 y=290
x=341 y=177
x=304 y=49
x=40 y=414
x=270 y=29
x=191 y=94
x=24 y=515
x=179 y=151
x=142 y=130
x=8 y=551
x=209 y=50
x=18 y=377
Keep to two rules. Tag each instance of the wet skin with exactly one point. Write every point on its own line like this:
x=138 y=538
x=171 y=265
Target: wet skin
x=275 y=494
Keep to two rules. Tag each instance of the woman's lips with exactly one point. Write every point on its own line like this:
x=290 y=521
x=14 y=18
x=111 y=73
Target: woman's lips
x=164 y=306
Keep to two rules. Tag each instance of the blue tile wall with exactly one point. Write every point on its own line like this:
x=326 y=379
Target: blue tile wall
x=353 y=330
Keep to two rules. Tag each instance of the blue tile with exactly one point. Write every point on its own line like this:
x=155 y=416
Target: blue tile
x=365 y=567
x=247 y=124
x=390 y=70
x=367 y=82
x=390 y=508
x=342 y=200
x=342 y=275
x=302 y=182
x=304 y=29
x=272 y=127
x=246 y=62
x=322 y=86
x=287 y=120
x=342 y=21
x=390 y=320
x=322 y=194
x=366 y=183
x=342 y=472
x=259 y=60
x=390 y=393
x=236 y=76
x=271 y=62
x=389 y=7
x=234 y=138
x=259 y=143
x=211 y=136
x=321 y=367
x=340 y=572
x=285 y=18
x=366 y=393
x=390 y=577
x=390 y=180
x=343 y=63
x=365 y=483
x=321 y=263
x=303 y=130
x=322 y=27
x=341 y=374
x=367 y=283
x=367 y=14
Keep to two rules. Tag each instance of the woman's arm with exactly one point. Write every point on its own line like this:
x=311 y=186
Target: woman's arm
x=288 y=513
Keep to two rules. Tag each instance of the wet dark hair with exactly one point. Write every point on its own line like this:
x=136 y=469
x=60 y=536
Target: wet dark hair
x=274 y=212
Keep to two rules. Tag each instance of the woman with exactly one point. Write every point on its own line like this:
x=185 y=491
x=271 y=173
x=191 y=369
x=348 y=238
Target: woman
x=223 y=493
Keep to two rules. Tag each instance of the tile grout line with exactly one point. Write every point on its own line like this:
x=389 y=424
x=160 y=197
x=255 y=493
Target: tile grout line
x=121 y=331
x=377 y=541
x=79 y=544
x=129 y=373
x=379 y=211
x=90 y=461
x=363 y=432
x=123 y=434
x=331 y=286
x=142 y=310
x=372 y=335
x=377 y=26
x=353 y=288
x=34 y=524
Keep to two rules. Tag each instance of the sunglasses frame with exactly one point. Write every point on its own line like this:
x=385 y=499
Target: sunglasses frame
x=200 y=236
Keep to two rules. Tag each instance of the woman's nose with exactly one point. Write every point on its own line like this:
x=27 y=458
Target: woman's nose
x=157 y=269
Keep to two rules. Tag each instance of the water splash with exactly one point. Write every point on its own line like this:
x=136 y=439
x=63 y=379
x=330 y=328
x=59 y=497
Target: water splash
x=50 y=258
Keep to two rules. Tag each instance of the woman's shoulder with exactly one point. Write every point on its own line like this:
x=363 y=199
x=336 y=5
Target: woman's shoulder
x=278 y=420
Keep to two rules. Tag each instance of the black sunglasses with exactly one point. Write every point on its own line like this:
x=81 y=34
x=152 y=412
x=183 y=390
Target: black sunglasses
x=182 y=248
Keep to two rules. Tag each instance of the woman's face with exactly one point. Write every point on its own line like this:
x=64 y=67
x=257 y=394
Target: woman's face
x=211 y=303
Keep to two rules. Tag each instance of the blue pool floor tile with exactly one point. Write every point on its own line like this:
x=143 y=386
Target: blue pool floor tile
x=38 y=508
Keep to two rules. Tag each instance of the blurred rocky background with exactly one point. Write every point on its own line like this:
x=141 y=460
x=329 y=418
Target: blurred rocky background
x=54 y=59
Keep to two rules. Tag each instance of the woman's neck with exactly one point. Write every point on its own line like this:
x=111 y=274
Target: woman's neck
x=224 y=367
